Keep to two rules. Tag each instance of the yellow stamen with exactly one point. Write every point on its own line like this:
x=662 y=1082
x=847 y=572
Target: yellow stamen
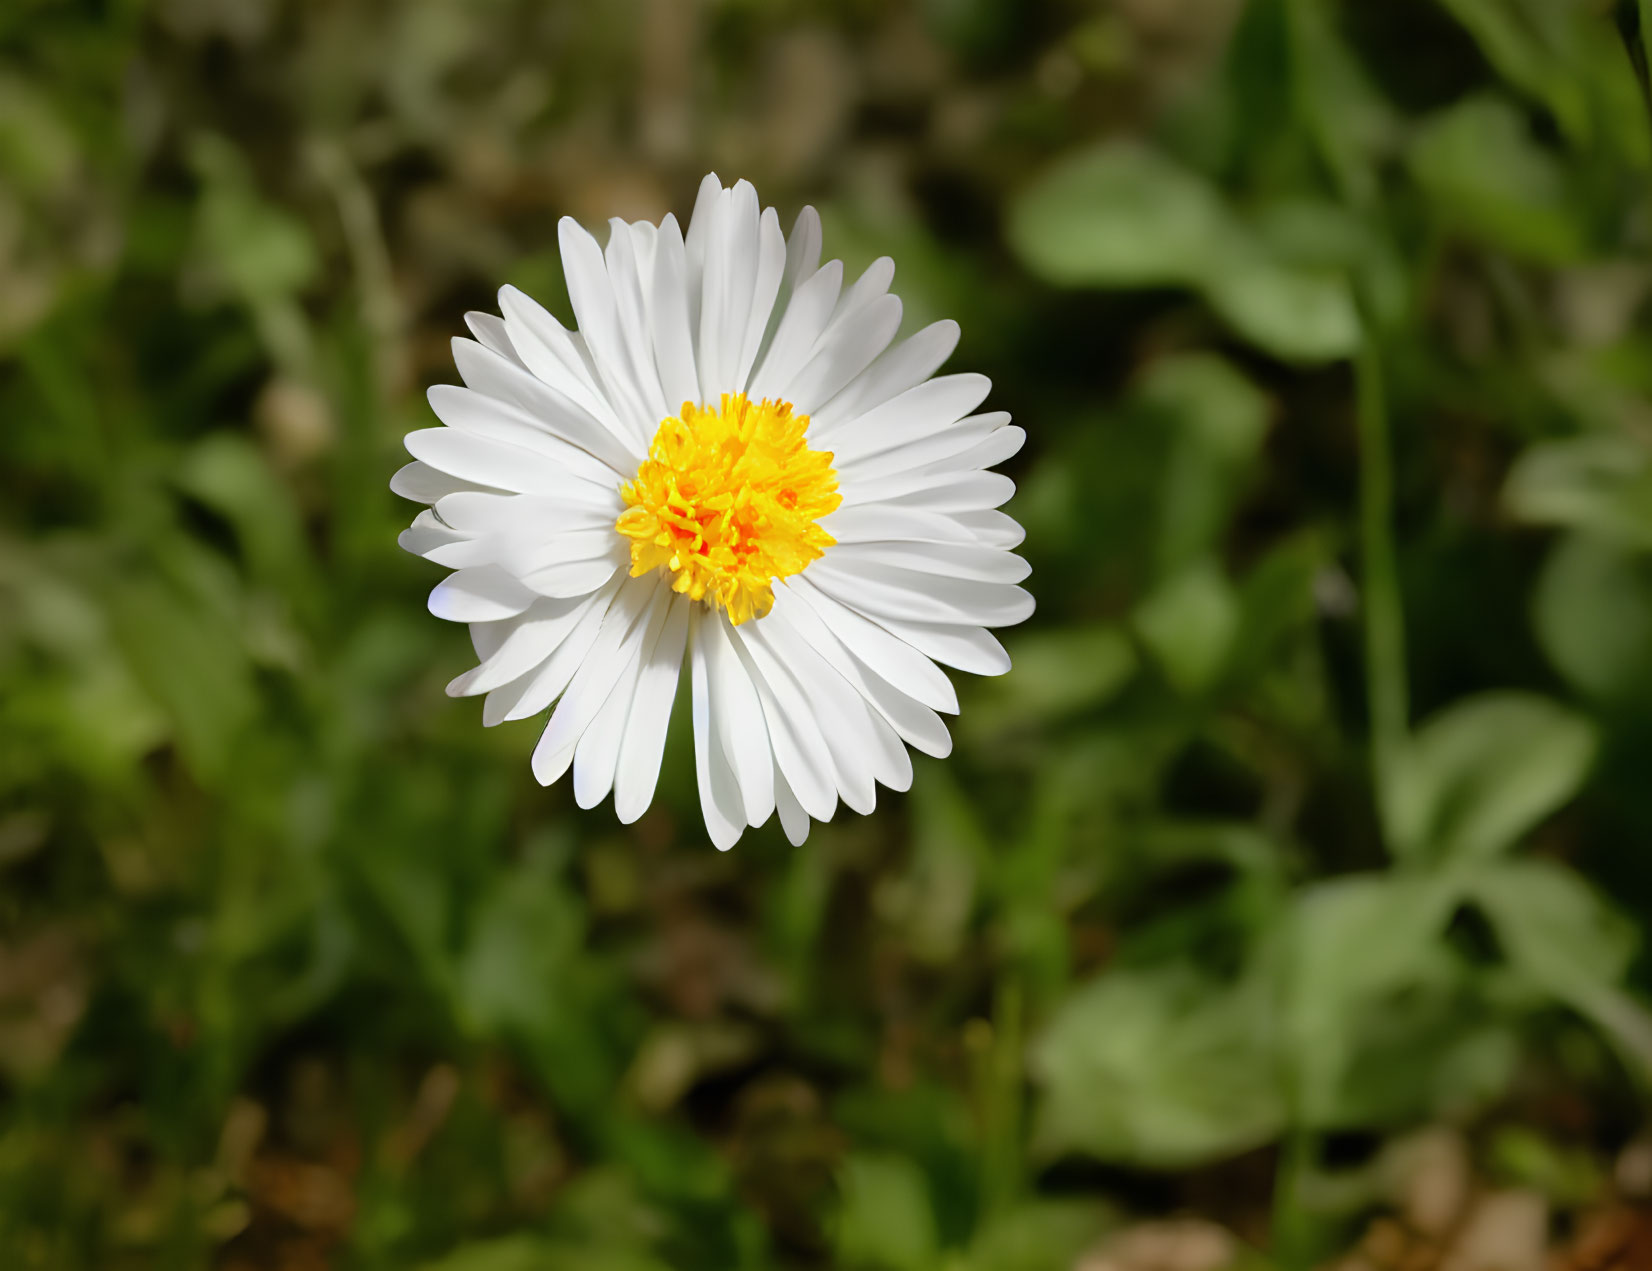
x=728 y=500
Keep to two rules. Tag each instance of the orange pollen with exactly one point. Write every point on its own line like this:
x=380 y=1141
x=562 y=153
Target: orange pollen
x=730 y=499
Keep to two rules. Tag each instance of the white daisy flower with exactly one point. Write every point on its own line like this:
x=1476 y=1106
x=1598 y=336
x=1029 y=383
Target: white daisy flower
x=728 y=457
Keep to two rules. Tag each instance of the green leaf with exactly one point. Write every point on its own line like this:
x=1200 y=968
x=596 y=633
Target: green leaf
x=1297 y=314
x=534 y=1253
x=1482 y=773
x=931 y=902
x=1564 y=939
x=1041 y=1235
x=185 y=650
x=1163 y=1068
x=229 y=475
x=527 y=932
x=262 y=251
x=1601 y=483
x=1058 y=674
x=884 y=1221
x=509 y=1253
x=1216 y=419
x=1337 y=101
x=1127 y=216
x=1592 y=610
x=1355 y=945
x=1188 y=625
x=1121 y=215
x=1490 y=180
x=1518 y=37
x=1554 y=927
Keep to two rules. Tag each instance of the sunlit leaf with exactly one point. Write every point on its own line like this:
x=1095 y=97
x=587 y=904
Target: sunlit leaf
x=1298 y=314
x=1160 y=1068
x=884 y=1221
x=1118 y=216
x=1600 y=483
x=1562 y=936
x=1188 y=625
x=1482 y=773
x=1489 y=178
x=1592 y=611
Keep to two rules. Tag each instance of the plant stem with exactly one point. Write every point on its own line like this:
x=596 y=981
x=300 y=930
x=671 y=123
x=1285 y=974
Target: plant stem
x=1000 y=1086
x=1635 y=28
x=1385 y=676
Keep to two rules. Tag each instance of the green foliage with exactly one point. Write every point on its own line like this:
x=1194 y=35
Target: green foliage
x=298 y=966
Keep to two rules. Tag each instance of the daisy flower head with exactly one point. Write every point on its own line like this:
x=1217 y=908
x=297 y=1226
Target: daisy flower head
x=730 y=465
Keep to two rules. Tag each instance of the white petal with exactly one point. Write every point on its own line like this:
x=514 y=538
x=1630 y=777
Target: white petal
x=980 y=441
x=526 y=516
x=873 y=522
x=424 y=484
x=467 y=411
x=527 y=640
x=596 y=755
x=885 y=655
x=730 y=267
x=554 y=355
x=890 y=763
x=799 y=748
x=998 y=445
x=504 y=466
x=854 y=740
x=771 y=261
x=483 y=594
x=866 y=290
x=949 y=560
x=522 y=556
x=668 y=313
x=842 y=354
x=533 y=692
x=487 y=638
x=802 y=250
x=591 y=293
x=805 y=318
x=443 y=544
x=951 y=493
x=491 y=332
x=881 y=591
x=896 y=714
x=991 y=528
x=547 y=404
x=639 y=760
x=741 y=732
x=579 y=576
x=972 y=649
x=694 y=241
x=625 y=276
x=427 y=534
x=719 y=798
x=930 y=407
x=900 y=368
x=634 y=617
x=793 y=819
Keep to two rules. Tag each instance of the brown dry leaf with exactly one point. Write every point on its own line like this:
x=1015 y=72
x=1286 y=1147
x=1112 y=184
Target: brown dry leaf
x=1505 y=1231
x=317 y=1198
x=1617 y=1239
x=675 y=1056
x=1178 y=1244
x=42 y=997
x=1429 y=1179
x=430 y=1109
x=240 y=1137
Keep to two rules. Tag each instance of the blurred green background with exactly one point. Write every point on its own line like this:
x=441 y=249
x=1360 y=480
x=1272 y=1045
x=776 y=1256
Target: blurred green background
x=1283 y=907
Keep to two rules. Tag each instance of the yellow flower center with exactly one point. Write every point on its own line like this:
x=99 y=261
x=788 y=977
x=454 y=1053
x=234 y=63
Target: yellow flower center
x=728 y=500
